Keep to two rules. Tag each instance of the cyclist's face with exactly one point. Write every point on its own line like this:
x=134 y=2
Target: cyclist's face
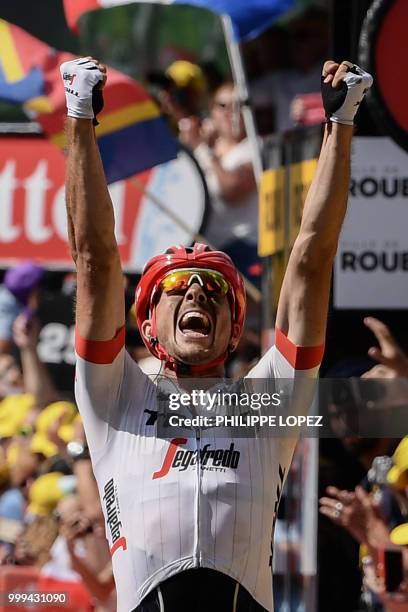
x=193 y=326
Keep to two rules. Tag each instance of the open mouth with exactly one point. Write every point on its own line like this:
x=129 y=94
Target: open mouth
x=195 y=324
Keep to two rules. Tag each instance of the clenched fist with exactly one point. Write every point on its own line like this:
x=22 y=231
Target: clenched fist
x=83 y=79
x=343 y=89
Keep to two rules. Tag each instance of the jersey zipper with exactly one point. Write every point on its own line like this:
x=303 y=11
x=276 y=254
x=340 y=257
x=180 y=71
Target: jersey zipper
x=198 y=495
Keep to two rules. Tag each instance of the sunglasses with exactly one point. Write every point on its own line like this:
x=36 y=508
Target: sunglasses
x=178 y=281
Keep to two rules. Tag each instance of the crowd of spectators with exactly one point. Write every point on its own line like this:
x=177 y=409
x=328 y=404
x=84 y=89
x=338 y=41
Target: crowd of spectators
x=52 y=534
x=363 y=488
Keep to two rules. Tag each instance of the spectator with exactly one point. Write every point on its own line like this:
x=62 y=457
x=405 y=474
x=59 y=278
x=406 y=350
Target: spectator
x=33 y=545
x=37 y=380
x=58 y=574
x=181 y=90
x=225 y=155
x=398 y=475
x=367 y=517
x=32 y=379
x=392 y=361
x=9 y=310
x=19 y=292
x=11 y=376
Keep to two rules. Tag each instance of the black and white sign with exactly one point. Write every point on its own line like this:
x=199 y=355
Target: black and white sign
x=371 y=269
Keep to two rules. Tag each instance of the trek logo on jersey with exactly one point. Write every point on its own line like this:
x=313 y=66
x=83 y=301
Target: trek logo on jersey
x=112 y=512
x=181 y=459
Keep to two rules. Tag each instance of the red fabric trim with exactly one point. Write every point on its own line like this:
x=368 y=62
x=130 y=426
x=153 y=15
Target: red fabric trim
x=299 y=357
x=100 y=351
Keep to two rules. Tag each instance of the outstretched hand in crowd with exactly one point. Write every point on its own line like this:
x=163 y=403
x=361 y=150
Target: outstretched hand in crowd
x=358 y=513
x=392 y=361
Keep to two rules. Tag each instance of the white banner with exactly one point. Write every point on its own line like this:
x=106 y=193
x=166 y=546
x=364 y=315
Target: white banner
x=371 y=269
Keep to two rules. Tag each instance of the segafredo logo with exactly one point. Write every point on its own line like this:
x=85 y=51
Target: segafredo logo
x=69 y=77
x=208 y=458
x=112 y=517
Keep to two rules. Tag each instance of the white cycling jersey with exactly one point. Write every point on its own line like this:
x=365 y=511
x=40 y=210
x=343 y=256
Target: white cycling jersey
x=169 y=508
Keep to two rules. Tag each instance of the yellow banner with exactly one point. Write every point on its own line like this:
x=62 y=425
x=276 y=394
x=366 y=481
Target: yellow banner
x=300 y=179
x=278 y=272
x=271 y=212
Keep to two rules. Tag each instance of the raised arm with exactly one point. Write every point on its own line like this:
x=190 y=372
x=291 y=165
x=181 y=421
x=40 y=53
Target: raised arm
x=100 y=294
x=303 y=303
x=37 y=379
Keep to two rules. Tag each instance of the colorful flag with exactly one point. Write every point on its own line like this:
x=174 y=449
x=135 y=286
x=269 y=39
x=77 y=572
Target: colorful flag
x=21 y=79
x=249 y=17
x=132 y=135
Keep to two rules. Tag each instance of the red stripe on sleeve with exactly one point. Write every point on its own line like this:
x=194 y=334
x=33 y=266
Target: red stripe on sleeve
x=299 y=357
x=100 y=351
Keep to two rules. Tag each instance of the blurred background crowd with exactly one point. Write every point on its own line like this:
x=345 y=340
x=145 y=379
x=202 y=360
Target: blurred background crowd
x=51 y=523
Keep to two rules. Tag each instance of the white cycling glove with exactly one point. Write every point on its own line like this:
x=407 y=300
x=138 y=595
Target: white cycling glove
x=80 y=77
x=342 y=103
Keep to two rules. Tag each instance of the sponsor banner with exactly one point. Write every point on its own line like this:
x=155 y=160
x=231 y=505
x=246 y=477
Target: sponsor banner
x=300 y=178
x=271 y=212
x=371 y=269
x=33 y=218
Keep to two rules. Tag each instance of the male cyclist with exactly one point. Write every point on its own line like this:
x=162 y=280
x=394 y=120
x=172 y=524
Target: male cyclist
x=190 y=520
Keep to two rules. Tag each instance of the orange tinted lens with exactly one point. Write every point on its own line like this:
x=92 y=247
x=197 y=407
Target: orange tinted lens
x=178 y=281
x=175 y=282
x=215 y=283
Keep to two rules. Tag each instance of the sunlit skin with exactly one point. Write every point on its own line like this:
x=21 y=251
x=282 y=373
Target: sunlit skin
x=189 y=347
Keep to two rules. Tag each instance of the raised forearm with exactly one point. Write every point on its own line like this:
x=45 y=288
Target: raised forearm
x=100 y=291
x=37 y=380
x=326 y=202
x=89 y=207
x=304 y=299
x=303 y=303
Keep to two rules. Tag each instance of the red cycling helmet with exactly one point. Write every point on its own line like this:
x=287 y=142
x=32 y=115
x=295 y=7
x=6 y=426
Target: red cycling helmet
x=197 y=256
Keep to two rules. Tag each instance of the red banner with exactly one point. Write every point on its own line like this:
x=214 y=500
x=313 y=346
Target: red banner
x=33 y=217
x=32 y=213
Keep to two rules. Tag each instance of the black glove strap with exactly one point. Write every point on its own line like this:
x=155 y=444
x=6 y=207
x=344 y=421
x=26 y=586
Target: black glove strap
x=333 y=98
x=97 y=102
